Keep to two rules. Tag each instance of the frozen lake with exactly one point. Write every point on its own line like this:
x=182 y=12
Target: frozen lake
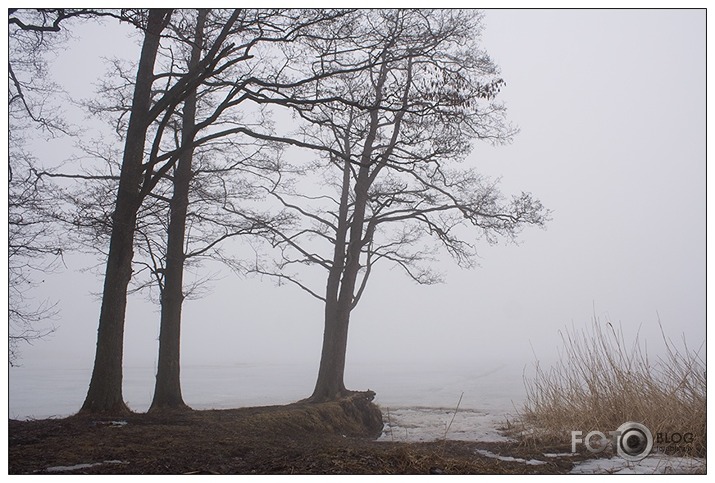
x=418 y=401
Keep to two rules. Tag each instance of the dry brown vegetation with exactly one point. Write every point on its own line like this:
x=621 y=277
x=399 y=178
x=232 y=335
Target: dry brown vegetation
x=601 y=382
x=328 y=438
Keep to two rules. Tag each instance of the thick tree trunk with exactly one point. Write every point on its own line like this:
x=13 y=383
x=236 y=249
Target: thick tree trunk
x=167 y=391
x=330 y=384
x=105 y=388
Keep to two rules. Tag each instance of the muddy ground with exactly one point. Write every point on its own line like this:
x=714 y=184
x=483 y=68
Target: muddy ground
x=330 y=438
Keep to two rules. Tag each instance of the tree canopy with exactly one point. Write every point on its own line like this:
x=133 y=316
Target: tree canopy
x=335 y=139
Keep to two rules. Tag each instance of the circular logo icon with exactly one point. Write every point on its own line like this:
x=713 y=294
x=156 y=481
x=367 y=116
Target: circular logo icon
x=634 y=441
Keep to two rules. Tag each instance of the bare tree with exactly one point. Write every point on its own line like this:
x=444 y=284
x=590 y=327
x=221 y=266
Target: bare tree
x=105 y=388
x=258 y=31
x=188 y=181
x=139 y=181
x=164 y=180
x=167 y=391
x=33 y=248
x=389 y=134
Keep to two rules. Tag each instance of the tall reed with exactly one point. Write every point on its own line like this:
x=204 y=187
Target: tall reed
x=600 y=382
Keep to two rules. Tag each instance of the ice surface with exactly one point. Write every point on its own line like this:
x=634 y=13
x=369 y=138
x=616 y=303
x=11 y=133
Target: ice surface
x=487 y=388
x=489 y=454
x=430 y=424
x=418 y=401
x=653 y=464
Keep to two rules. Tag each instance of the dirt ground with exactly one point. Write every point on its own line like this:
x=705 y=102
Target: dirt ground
x=330 y=438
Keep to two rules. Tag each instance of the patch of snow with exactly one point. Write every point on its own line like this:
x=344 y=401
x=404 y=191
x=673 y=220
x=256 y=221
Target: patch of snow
x=82 y=466
x=489 y=454
x=416 y=424
x=558 y=455
x=656 y=464
x=110 y=424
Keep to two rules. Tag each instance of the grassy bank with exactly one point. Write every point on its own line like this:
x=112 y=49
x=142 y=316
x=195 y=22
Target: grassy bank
x=602 y=381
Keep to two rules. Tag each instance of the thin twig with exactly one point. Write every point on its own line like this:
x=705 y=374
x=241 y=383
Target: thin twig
x=389 y=422
x=453 y=415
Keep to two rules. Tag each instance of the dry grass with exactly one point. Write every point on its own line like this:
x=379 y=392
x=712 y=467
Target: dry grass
x=601 y=382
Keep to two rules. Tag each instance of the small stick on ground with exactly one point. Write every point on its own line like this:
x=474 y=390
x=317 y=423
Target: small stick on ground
x=453 y=416
x=389 y=422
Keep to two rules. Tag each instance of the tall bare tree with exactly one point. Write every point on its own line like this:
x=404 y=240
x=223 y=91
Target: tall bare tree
x=105 y=388
x=166 y=177
x=388 y=136
x=167 y=391
x=189 y=183
x=136 y=180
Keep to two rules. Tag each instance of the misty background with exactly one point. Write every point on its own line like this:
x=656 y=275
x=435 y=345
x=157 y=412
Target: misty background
x=612 y=108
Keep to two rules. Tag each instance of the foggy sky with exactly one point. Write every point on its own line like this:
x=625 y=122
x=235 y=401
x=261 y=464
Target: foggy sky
x=611 y=107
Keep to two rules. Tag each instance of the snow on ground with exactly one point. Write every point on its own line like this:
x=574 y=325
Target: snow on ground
x=82 y=466
x=413 y=424
x=655 y=464
x=489 y=454
x=421 y=424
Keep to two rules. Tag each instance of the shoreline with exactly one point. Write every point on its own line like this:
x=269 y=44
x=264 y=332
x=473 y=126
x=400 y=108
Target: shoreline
x=329 y=438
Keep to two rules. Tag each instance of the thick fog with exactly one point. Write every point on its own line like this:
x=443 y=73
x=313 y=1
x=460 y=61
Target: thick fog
x=611 y=110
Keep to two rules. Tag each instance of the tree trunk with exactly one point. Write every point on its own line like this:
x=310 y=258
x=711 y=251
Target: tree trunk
x=330 y=384
x=331 y=373
x=105 y=387
x=167 y=391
